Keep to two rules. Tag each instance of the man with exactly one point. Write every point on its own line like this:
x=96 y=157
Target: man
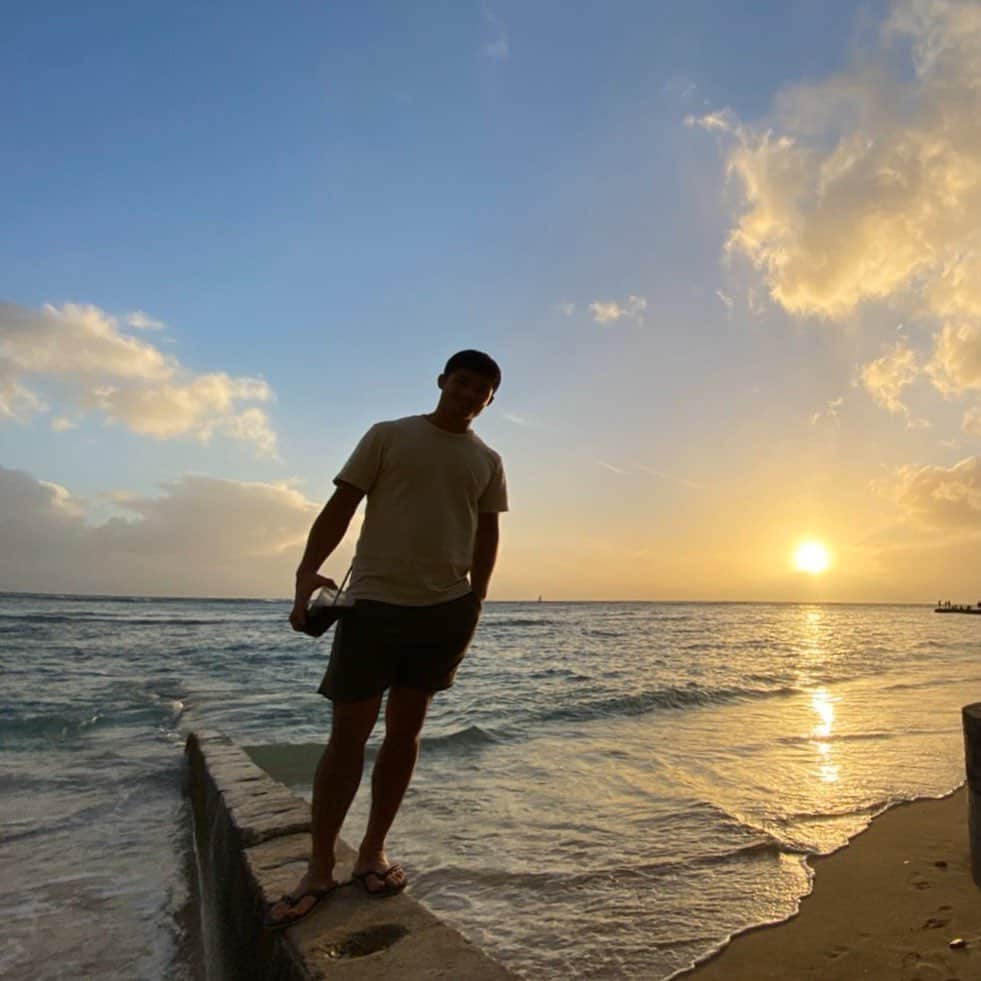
x=421 y=570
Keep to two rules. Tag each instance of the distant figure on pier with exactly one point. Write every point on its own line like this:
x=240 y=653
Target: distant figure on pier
x=423 y=562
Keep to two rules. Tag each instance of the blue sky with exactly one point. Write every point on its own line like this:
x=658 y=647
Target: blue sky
x=333 y=198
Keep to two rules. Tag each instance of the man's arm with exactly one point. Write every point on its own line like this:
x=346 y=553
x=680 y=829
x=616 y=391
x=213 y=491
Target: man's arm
x=325 y=536
x=484 y=553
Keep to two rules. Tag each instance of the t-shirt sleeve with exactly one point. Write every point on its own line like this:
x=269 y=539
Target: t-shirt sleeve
x=364 y=464
x=495 y=496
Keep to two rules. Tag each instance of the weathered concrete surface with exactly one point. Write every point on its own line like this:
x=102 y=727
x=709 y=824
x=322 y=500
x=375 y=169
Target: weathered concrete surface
x=252 y=840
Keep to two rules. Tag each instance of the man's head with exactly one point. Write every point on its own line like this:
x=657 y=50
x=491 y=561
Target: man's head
x=468 y=383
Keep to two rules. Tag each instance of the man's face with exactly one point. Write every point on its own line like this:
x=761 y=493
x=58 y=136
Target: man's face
x=465 y=393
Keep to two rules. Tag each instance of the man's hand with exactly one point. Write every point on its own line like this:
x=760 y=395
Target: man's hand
x=306 y=583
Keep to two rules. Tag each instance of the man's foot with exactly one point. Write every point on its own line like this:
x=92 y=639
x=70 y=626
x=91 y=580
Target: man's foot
x=379 y=878
x=298 y=904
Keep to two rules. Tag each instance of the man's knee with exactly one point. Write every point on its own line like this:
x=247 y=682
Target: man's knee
x=404 y=739
x=352 y=725
x=347 y=741
x=405 y=715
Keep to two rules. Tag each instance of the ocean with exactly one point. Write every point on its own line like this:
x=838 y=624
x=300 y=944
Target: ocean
x=610 y=791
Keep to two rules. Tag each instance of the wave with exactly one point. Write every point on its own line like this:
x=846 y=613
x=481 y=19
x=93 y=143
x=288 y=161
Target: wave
x=469 y=737
x=123 y=703
x=846 y=737
x=110 y=598
x=50 y=726
x=119 y=620
x=521 y=622
x=73 y=800
x=295 y=763
x=538 y=881
x=658 y=698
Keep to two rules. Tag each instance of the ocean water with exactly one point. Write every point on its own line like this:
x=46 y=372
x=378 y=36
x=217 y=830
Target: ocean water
x=610 y=791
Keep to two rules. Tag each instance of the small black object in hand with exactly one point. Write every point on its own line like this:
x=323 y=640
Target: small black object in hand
x=321 y=618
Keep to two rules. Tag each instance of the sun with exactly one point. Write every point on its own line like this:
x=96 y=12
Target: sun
x=812 y=557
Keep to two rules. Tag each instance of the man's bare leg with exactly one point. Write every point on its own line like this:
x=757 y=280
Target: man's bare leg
x=405 y=714
x=335 y=784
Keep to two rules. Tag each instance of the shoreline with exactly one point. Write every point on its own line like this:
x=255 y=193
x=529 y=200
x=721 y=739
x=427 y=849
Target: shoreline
x=886 y=906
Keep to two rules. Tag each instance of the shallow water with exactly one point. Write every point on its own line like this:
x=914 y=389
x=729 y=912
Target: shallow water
x=610 y=790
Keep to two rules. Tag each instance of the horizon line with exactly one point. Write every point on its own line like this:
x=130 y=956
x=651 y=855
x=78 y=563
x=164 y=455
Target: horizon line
x=534 y=602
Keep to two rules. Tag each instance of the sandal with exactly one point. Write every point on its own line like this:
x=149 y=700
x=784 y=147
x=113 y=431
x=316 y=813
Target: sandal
x=283 y=922
x=388 y=887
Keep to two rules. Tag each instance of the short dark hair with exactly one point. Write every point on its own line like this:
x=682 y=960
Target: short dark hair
x=477 y=361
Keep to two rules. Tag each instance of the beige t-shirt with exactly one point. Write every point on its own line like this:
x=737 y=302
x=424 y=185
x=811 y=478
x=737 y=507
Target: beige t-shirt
x=425 y=488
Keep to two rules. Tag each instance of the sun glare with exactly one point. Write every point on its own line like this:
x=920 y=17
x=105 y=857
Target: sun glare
x=811 y=557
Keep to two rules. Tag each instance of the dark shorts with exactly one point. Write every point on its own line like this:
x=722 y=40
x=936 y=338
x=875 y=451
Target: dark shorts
x=381 y=645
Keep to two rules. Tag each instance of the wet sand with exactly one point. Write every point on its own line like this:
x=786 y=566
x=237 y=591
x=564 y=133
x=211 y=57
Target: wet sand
x=886 y=907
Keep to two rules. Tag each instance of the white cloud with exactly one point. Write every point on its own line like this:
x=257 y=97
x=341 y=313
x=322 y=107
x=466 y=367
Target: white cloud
x=866 y=187
x=608 y=311
x=727 y=300
x=497 y=46
x=685 y=88
x=754 y=302
x=143 y=321
x=940 y=497
x=16 y=400
x=499 y=49
x=722 y=120
x=79 y=353
x=565 y=308
x=201 y=536
x=661 y=475
x=610 y=467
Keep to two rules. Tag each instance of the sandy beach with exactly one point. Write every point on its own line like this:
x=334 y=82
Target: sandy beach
x=886 y=907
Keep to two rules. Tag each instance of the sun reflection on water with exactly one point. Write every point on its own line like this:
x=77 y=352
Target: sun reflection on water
x=822 y=703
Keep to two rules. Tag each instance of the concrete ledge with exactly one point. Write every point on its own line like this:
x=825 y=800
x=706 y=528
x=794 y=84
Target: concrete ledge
x=252 y=843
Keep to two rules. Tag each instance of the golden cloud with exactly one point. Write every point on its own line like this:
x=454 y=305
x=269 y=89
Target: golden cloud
x=942 y=497
x=81 y=352
x=866 y=186
x=886 y=377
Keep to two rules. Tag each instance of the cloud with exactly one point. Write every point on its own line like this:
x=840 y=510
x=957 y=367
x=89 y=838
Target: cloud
x=610 y=467
x=754 y=303
x=17 y=402
x=941 y=497
x=200 y=536
x=143 y=321
x=661 y=475
x=956 y=363
x=497 y=46
x=565 y=308
x=886 y=377
x=727 y=301
x=80 y=354
x=608 y=311
x=865 y=187
x=830 y=412
x=972 y=421
x=722 y=121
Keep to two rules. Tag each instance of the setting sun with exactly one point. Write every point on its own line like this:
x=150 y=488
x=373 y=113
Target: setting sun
x=811 y=557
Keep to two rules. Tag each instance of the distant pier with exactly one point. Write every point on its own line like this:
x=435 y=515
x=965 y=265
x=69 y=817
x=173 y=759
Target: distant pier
x=948 y=607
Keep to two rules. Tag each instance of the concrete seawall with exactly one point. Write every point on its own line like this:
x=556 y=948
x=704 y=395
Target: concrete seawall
x=252 y=843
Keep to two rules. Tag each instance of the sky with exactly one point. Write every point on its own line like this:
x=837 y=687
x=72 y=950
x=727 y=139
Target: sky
x=728 y=255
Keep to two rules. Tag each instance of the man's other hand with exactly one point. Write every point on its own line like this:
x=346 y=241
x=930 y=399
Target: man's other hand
x=306 y=583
